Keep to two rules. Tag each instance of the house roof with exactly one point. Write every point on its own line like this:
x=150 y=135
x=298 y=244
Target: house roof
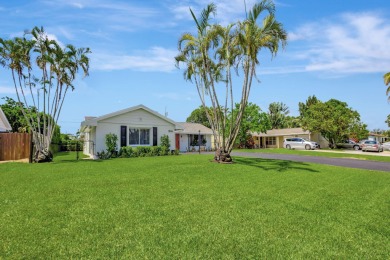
x=377 y=135
x=92 y=121
x=4 y=124
x=194 y=128
x=282 y=132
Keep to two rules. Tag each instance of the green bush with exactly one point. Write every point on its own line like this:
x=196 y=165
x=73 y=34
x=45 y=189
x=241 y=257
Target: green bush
x=126 y=152
x=103 y=155
x=111 y=144
x=142 y=151
x=165 y=145
x=155 y=151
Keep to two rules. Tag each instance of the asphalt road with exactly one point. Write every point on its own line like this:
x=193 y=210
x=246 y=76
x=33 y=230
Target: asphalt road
x=351 y=163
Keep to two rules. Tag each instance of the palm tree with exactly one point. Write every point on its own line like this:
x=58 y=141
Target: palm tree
x=210 y=56
x=386 y=78
x=277 y=113
x=57 y=68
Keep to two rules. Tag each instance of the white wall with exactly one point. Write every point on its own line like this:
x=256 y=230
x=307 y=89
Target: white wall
x=137 y=119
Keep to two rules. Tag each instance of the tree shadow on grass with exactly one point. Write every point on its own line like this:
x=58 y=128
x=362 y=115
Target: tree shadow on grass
x=273 y=164
x=66 y=157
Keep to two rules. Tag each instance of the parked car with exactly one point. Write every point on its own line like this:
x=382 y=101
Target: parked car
x=371 y=145
x=299 y=143
x=361 y=143
x=348 y=144
x=386 y=146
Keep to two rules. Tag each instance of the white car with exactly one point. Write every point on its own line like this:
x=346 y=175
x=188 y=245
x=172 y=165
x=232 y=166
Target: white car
x=299 y=143
x=386 y=146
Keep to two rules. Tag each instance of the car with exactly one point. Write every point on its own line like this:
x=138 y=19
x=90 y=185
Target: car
x=348 y=144
x=386 y=146
x=361 y=143
x=299 y=143
x=371 y=145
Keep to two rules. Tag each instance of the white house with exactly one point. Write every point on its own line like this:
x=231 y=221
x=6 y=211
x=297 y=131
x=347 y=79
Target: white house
x=187 y=137
x=4 y=124
x=134 y=126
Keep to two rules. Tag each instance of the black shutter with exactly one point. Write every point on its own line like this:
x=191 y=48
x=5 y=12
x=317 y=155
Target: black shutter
x=123 y=136
x=154 y=136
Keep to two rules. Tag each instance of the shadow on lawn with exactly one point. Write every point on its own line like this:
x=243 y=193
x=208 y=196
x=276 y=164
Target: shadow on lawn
x=272 y=164
x=66 y=157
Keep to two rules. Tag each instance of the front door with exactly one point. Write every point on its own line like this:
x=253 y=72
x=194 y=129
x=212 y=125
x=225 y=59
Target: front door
x=177 y=141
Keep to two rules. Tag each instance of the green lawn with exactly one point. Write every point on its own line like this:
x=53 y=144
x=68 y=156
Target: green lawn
x=327 y=153
x=187 y=207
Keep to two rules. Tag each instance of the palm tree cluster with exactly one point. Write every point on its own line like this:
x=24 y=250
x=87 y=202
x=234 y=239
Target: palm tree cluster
x=386 y=78
x=42 y=72
x=213 y=54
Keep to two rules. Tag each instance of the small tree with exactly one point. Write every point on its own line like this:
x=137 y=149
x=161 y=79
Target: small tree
x=112 y=144
x=42 y=72
x=165 y=144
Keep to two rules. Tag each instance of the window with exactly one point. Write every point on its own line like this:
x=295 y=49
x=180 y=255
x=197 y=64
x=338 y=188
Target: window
x=139 y=136
x=194 y=140
x=270 y=140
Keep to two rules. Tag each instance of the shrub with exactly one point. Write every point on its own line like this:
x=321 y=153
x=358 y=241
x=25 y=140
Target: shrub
x=142 y=151
x=111 y=144
x=155 y=151
x=126 y=152
x=103 y=155
x=165 y=145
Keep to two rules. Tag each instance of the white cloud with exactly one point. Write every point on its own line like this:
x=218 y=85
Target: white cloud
x=7 y=90
x=154 y=59
x=354 y=43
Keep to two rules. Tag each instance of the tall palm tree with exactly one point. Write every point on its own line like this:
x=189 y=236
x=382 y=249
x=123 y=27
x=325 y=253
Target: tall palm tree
x=57 y=67
x=386 y=78
x=214 y=51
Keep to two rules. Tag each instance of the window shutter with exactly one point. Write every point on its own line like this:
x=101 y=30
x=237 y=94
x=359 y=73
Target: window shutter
x=123 y=136
x=154 y=136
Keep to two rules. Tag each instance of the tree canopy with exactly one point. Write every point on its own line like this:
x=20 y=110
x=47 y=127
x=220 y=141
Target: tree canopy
x=277 y=114
x=199 y=116
x=253 y=120
x=334 y=120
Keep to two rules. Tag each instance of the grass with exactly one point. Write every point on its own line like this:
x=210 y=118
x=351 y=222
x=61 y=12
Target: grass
x=186 y=207
x=326 y=153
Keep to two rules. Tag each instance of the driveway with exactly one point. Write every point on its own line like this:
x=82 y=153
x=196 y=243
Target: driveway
x=344 y=162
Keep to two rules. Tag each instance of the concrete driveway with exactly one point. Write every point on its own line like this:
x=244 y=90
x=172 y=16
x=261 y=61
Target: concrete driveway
x=344 y=162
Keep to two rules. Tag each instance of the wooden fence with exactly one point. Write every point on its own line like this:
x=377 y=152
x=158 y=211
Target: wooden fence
x=15 y=146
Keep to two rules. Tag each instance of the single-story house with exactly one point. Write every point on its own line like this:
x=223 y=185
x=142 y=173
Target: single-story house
x=4 y=124
x=189 y=135
x=378 y=137
x=134 y=126
x=274 y=138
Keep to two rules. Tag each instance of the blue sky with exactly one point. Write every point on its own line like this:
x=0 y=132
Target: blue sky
x=336 y=49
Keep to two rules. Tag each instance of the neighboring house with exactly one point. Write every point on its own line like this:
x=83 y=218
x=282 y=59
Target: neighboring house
x=378 y=137
x=274 y=138
x=134 y=126
x=187 y=138
x=4 y=124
